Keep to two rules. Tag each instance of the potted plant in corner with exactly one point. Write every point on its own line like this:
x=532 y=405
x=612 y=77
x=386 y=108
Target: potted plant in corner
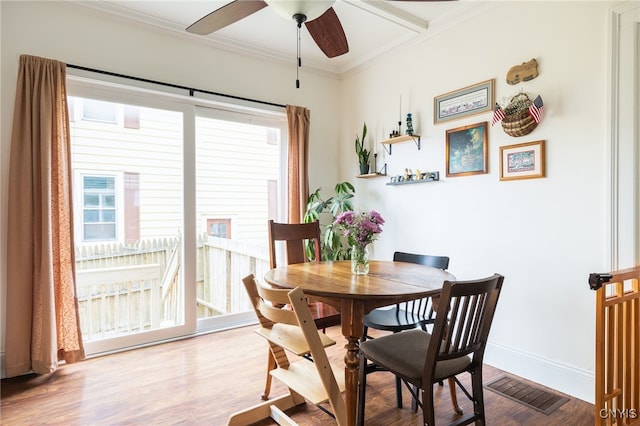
x=362 y=152
x=333 y=246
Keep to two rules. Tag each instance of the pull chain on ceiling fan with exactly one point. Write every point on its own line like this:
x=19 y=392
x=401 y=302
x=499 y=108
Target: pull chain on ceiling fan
x=299 y=19
x=302 y=11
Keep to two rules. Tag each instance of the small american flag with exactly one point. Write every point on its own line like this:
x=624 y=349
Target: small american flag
x=536 y=109
x=498 y=114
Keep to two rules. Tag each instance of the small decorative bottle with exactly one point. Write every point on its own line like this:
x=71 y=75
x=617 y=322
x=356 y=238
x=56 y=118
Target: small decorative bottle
x=409 y=124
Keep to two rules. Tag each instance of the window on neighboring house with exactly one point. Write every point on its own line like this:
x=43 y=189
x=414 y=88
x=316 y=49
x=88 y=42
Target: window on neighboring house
x=99 y=208
x=272 y=199
x=219 y=228
x=93 y=110
x=71 y=106
x=131 y=207
x=131 y=117
x=273 y=136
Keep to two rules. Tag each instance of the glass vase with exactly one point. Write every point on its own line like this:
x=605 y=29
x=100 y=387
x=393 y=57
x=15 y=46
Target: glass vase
x=359 y=260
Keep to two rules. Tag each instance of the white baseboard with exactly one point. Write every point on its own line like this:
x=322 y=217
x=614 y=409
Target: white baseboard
x=563 y=378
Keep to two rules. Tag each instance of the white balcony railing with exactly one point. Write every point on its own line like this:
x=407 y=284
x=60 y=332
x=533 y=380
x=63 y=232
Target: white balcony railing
x=128 y=289
x=119 y=300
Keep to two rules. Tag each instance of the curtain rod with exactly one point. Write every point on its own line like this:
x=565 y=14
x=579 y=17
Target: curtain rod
x=175 y=86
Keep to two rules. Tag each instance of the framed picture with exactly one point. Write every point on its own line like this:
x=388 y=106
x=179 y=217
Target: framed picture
x=522 y=161
x=467 y=150
x=464 y=102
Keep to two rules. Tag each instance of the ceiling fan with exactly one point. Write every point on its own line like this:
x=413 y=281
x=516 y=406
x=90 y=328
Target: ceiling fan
x=317 y=15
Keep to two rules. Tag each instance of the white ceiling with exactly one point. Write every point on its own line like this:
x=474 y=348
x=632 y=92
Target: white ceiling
x=372 y=27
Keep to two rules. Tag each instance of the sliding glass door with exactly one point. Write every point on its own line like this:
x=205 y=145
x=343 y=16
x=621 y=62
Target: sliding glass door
x=238 y=167
x=171 y=201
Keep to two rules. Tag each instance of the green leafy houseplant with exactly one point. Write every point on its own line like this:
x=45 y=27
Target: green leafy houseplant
x=361 y=151
x=333 y=246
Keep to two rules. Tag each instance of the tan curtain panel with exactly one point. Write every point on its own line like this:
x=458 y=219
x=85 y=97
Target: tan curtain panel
x=42 y=317
x=298 y=119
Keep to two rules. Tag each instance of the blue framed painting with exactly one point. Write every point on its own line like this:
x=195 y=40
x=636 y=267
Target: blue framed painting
x=467 y=150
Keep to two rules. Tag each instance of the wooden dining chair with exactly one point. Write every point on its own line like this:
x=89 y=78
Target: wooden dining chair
x=406 y=316
x=294 y=236
x=287 y=324
x=455 y=345
x=289 y=337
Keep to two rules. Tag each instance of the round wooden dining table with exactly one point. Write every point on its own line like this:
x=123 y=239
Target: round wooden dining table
x=387 y=283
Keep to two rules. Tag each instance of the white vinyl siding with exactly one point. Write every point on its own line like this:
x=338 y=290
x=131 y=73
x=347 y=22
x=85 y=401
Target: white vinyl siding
x=234 y=164
x=154 y=152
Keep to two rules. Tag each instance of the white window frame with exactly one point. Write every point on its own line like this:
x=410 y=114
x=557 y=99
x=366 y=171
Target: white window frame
x=78 y=179
x=227 y=220
x=251 y=117
x=130 y=95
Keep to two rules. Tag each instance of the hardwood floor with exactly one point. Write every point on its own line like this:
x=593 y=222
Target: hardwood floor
x=202 y=380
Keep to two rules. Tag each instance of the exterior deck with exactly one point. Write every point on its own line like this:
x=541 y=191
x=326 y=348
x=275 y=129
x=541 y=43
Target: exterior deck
x=124 y=289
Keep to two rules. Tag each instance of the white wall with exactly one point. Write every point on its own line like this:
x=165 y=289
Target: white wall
x=78 y=35
x=545 y=235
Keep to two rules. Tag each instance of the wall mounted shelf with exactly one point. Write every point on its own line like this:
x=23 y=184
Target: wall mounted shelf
x=371 y=175
x=432 y=177
x=398 y=139
x=382 y=172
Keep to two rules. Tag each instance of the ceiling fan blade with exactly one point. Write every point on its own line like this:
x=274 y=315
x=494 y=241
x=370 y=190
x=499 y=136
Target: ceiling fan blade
x=328 y=34
x=226 y=15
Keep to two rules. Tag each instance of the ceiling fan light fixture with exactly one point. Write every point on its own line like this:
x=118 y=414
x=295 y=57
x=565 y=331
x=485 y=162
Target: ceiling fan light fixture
x=312 y=9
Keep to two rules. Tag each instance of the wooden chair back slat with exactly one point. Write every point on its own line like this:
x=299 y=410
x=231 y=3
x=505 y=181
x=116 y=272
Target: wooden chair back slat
x=440 y=262
x=251 y=287
x=276 y=314
x=272 y=310
x=293 y=236
x=423 y=307
x=463 y=320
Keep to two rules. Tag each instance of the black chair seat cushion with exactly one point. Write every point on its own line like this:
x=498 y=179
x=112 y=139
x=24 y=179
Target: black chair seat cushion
x=390 y=351
x=393 y=320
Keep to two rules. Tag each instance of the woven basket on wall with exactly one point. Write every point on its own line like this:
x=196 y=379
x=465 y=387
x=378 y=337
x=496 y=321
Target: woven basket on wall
x=518 y=123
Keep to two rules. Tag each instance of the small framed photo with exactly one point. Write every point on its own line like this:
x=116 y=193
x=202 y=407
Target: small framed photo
x=522 y=161
x=466 y=150
x=470 y=100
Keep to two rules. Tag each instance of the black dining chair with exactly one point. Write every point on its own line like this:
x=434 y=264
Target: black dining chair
x=456 y=344
x=406 y=316
x=411 y=314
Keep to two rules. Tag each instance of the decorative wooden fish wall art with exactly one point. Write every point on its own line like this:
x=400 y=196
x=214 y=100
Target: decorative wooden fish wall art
x=523 y=72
